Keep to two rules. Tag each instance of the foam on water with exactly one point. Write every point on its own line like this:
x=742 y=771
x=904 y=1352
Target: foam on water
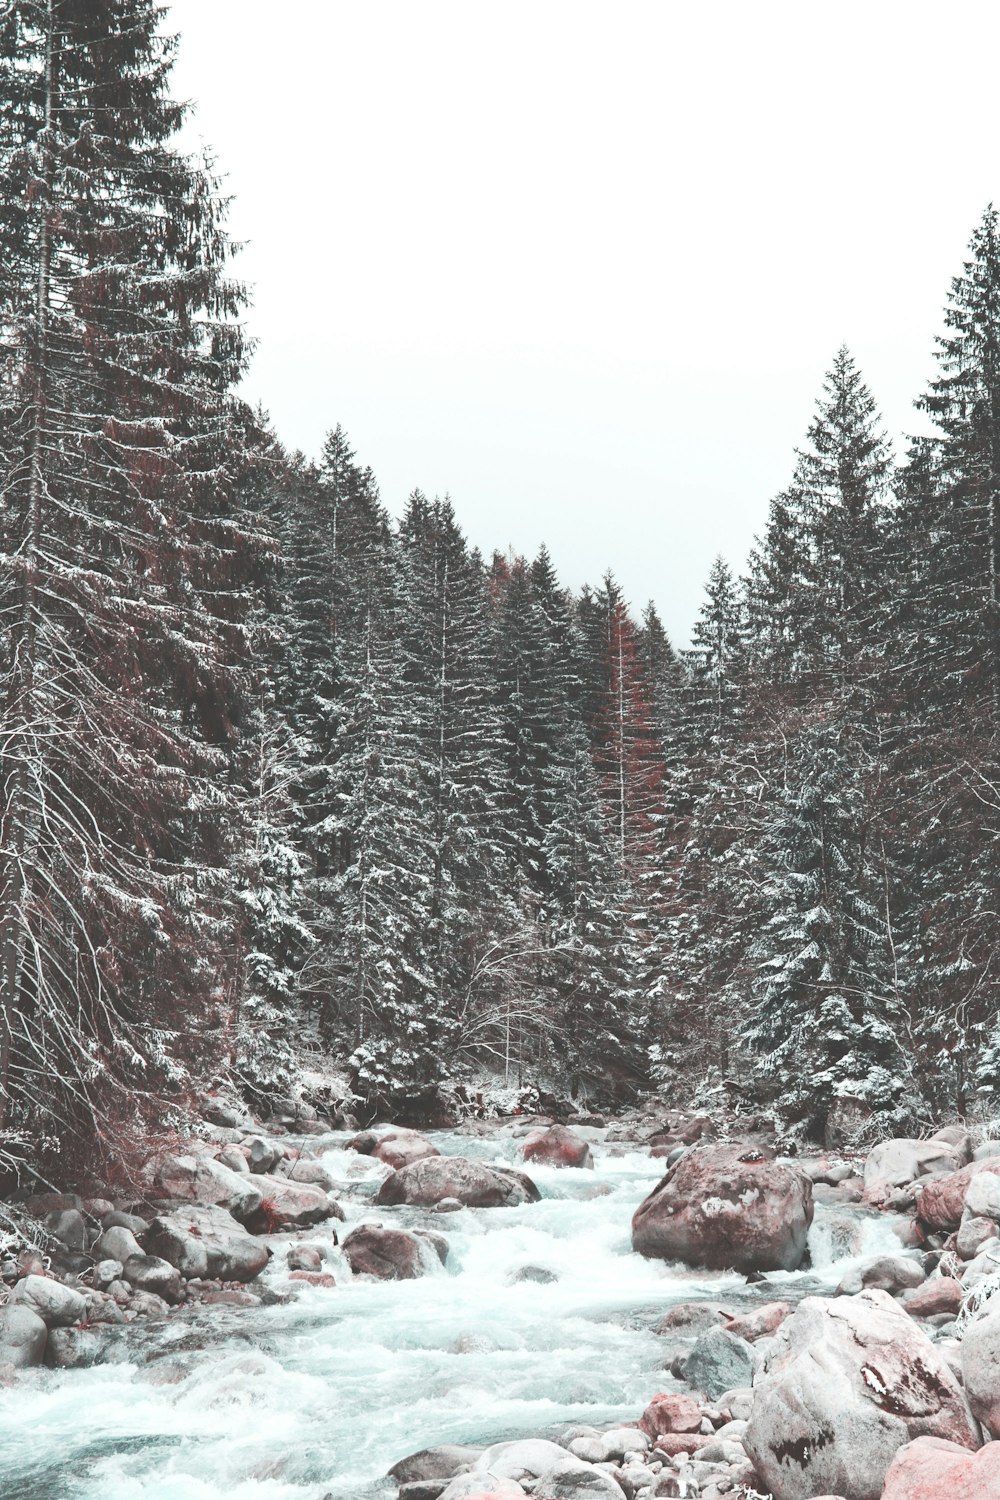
x=318 y=1397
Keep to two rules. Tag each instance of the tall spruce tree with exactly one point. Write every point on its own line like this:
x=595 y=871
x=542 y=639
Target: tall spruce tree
x=125 y=561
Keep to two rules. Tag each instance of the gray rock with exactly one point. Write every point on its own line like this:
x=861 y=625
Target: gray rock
x=117 y=1243
x=68 y=1227
x=986 y=1150
x=207 y=1242
x=982 y=1200
x=148 y=1304
x=847 y=1382
x=303 y=1169
x=117 y=1219
x=23 y=1337
x=235 y=1159
x=442 y=1462
x=981 y=1369
x=58 y=1306
x=972 y=1235
x=264 y=1155
x=467 y=1485
x=718 y=1362
x=206 y=1182
x=570 y=1478
x=80 y=1348
x=886 y=1273
x=525 y=1458
x=105 y=1272
x=289 y=1205
x=389 y=1254
x=473 y=1183
x=899 y=1163
x=150 y=1273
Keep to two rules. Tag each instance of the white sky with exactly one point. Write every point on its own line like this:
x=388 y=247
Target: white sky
x=583 y=265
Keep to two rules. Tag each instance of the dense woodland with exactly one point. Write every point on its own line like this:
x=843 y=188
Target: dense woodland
x=281 y=773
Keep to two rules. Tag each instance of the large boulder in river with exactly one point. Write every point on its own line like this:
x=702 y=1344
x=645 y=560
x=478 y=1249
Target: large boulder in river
x=899 y=1163
x=201 y=1180
x=289 y=1205
x=389 y=1254
x=845 y=1384
x=207 y=1242
x=558 y=1146
x=727 y=1206
x=474 y=1183
x=929 y=1469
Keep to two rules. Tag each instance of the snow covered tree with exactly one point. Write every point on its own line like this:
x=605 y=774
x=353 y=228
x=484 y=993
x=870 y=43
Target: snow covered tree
x=826 y=1016
x=125 y=564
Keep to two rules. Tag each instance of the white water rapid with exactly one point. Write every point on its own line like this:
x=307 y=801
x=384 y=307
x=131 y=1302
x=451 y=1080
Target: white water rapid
x=317 y=1397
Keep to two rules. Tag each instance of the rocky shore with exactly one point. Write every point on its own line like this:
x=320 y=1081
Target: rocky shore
x=889 y=1389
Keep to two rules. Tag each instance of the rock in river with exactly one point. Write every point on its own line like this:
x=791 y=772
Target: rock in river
x=727 y=1206
x=473 y=1183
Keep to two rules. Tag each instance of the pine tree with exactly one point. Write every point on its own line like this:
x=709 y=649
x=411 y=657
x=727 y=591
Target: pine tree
x=826 y=1011
x=125 y=563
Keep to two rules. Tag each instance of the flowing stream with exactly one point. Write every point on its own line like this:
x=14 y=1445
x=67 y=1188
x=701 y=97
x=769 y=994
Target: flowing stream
x=316 y=1397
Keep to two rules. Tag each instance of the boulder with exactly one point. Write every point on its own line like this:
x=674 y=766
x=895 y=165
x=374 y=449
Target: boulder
x=719 y=1362
x=58 y=1306
x=570 y=1477
x=687 y=1319
x=558 y=1146
x=942 y=1200
x=472 y=1486
x=981 y=1369
x=150 y=1273
x=207 y=1242
x=68 y=1226
x=117 y=1219
x=671 y=1412
x=263 y=1155
x=846 y=1383
x=972 y=1234
x=304 y=1169
x=23 y=1337
x=727 y=1206
x=930 y=1469
x=760 y=1323
x=389 y=1254
x=201 y=1180
x=442 y=1462
x=982 y=1198
x=939 y=1294
x=117 y=1243
x=402 y=1148
x=886 y=1273
x=81 y=1348
x=235 y=1158
x=288 y=1205
x=899 y=1163
x=473 y=1183
x=524 y=1458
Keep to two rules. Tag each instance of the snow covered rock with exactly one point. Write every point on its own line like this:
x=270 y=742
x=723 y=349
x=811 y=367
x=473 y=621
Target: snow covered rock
x=930 y=1469
x=201 y=1180
x=981 y=1369
x=558 y=1146
x=389 y=1254
x=58 y=1306
x=473 y=1183
x=899 y=1163
x=846 y=1383
x=727 y=1206
x=203 y=1241
x=23 y=1337
x=942 y=1201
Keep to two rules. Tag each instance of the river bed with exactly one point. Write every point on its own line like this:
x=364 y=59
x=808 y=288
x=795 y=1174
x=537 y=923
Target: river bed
x=317 y=1397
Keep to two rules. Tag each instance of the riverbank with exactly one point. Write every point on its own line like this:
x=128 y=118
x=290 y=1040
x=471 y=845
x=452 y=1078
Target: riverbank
x=535 y=1319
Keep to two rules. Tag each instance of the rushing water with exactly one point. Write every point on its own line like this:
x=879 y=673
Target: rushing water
x=317 y=1397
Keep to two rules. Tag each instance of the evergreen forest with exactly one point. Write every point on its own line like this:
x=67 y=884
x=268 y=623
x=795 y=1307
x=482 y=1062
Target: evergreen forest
x=286 y=776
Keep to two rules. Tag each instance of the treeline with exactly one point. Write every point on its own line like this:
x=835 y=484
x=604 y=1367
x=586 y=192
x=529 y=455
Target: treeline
x=279 y=773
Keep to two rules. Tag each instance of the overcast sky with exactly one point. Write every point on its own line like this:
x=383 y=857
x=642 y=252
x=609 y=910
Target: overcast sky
x=583 y=265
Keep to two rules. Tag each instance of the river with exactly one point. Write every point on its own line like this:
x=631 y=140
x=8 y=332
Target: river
x=318 y=1396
